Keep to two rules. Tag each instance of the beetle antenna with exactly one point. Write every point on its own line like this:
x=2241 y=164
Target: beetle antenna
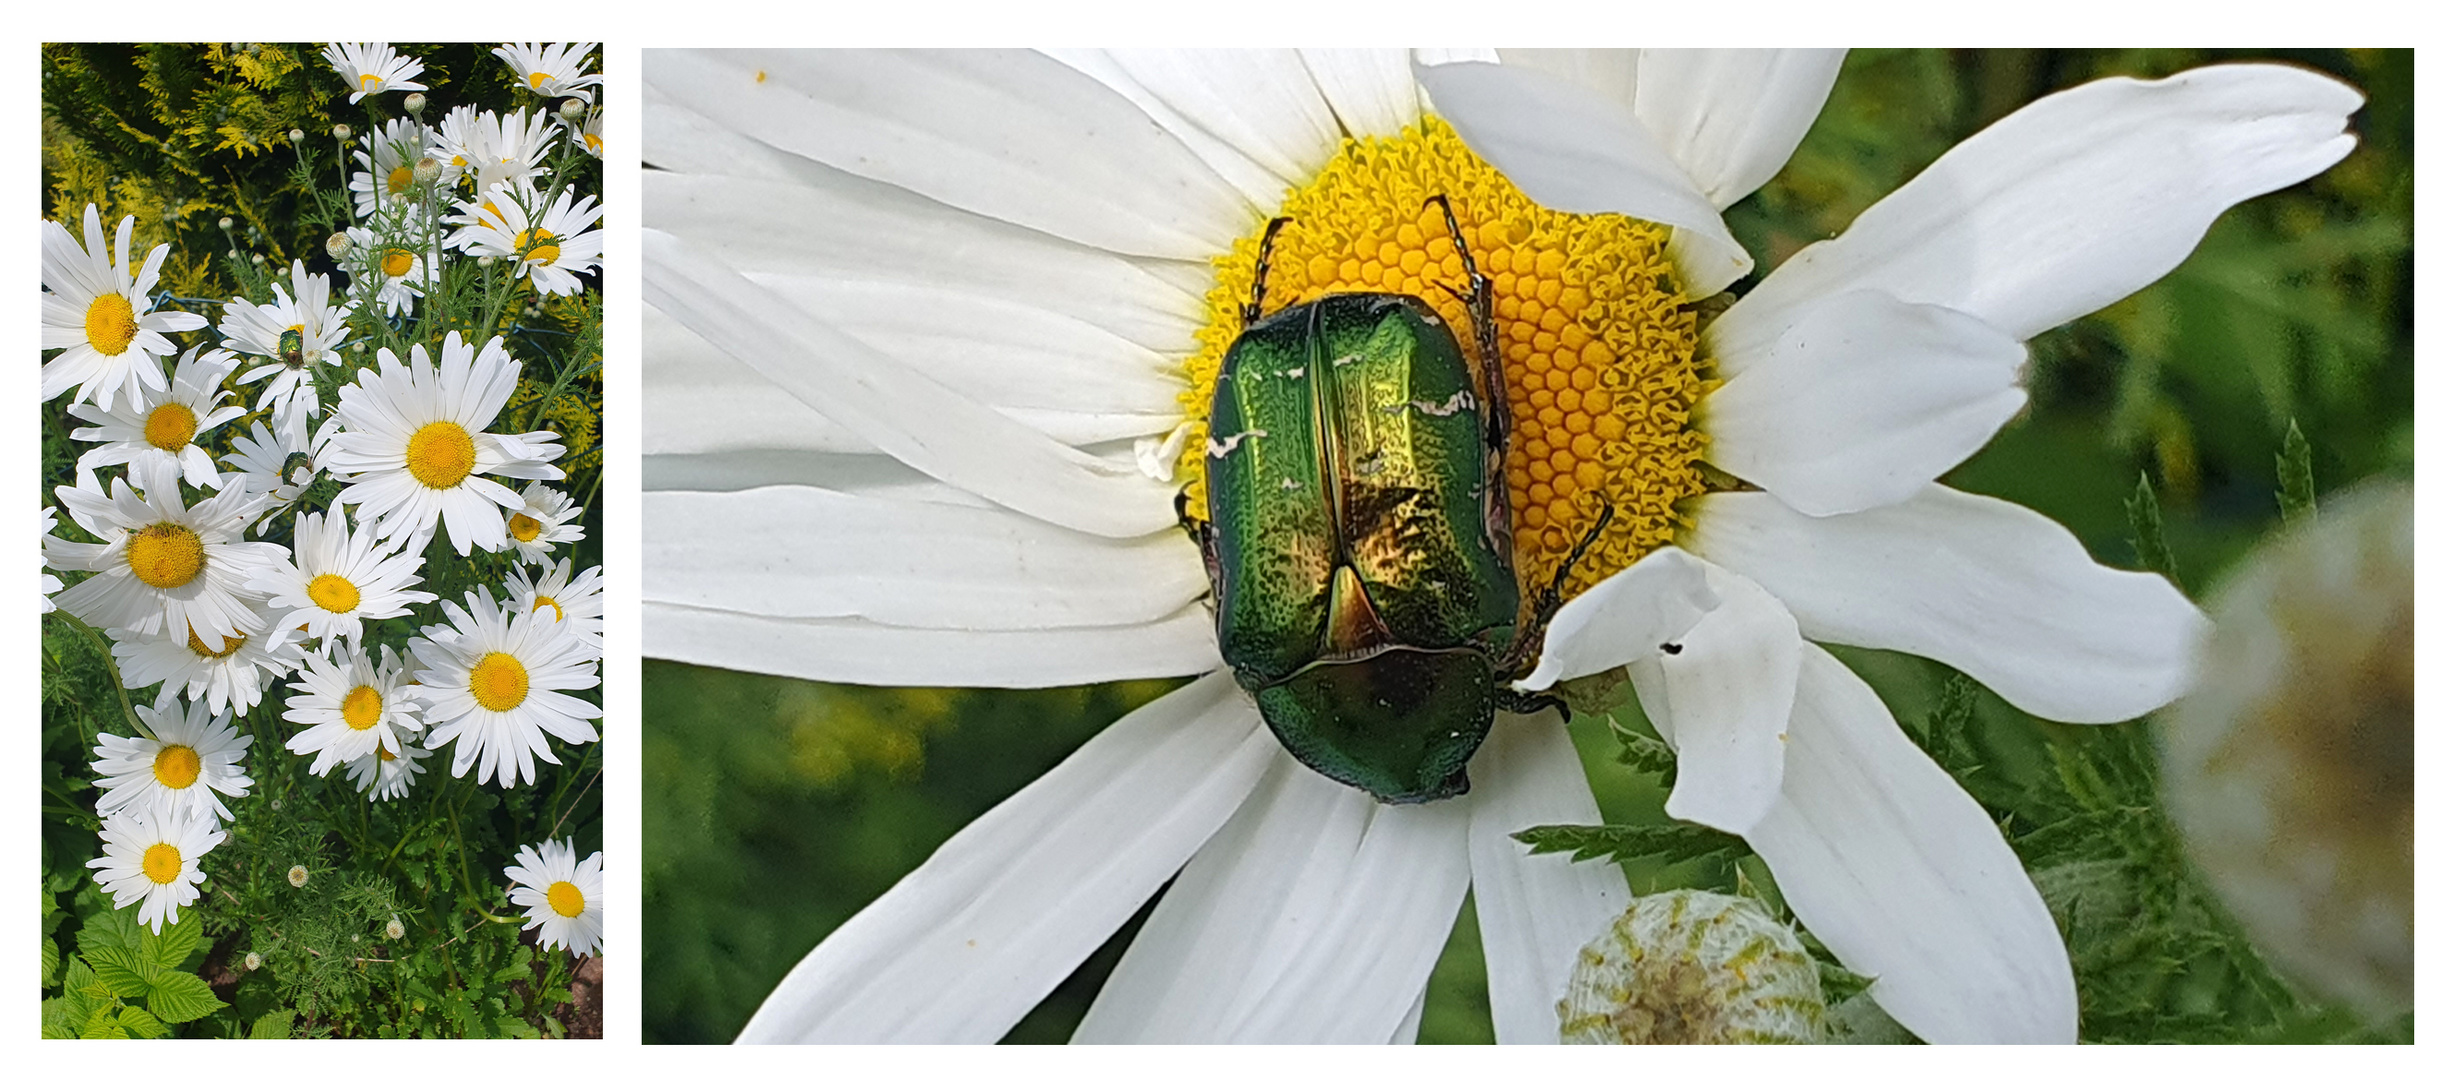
x=1260 y=270
x=1478 y=304
x=1549 y=604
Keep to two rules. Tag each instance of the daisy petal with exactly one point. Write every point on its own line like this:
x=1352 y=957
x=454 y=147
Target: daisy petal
x=901 y=411
x=2068 y=204
x=1260 y=101
x=965 y=945
x=1607 y=72
x=1989 y=587
x=801 y=552
x=857 y=650
x=1897 y=870
x=1627 y=617
x=1371 y=90
x=1864 y=401
x=1732 y=117
x=1722 y=701
x=1014 y=135
x=1535 y=911
x=1572 y=150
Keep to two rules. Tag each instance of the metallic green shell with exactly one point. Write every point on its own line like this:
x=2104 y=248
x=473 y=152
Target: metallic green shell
x=1349 y=488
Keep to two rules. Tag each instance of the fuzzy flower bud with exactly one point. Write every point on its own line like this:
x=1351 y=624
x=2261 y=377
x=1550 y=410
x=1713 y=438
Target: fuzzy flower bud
x=426 y=170
x=1693 y=967
x=226 y=223
x=340 y=131
x=255 y=961
x=393 y=930
x=573 y=109
x=298 y=877
x=2290 y=768
x=337 y=244
x=297 y=136
x=415 y=103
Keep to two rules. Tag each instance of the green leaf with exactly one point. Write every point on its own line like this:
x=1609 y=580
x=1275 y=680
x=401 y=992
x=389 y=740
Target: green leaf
x=123 y=971
x=102 y=1026
x=1676 y=841
x=63 y=1017
x=272 y=1025
x=1841 y=984
x=115 y=928
x=1647 y=754
x=171 y=947
x=2298 y=493
x=2146 y=528
x=51 y=961
x=141 y=1024
x=179 y=997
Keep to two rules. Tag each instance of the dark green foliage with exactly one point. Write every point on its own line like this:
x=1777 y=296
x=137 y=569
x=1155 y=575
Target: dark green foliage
x=1677 y=841
x=2297 y=488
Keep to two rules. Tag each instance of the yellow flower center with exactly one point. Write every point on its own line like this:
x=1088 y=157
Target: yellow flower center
x=333 y=593
x=176 y=766
x=110 y=324
x=537 y=245
x=537 y=79
x=1597 y=342
x=165 y=555
x=169 y=426
x=398 y=180
x=365 y=81
x=547 y=602
x=441 y=454
x=228 y=645
x=397 y=262
x=564 y=898
x=162 y=864
x=524 y=528
x=362 y=708
x=596 y=143
x=385 y=755
x=499 y=682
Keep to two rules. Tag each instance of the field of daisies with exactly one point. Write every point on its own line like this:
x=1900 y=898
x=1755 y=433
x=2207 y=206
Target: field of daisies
x=322 y=374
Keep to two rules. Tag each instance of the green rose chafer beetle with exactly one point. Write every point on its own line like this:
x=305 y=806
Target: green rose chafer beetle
x=1358 y=542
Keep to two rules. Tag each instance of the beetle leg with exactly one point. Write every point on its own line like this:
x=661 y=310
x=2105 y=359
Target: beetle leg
x=1204 y=535
x=1517 y=701
x=1260 y=270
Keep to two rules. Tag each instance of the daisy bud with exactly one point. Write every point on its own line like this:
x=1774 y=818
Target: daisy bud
x=426 y=170
x=259 y=259
x=225 y=224
x=485 y=260
x=573 y=109
x=298 y=877
x=1693 y=967
x=337 y=244
x=297 y=136
x=2290 y=767
x=255 y=961
x=340 y=131
x=394 y=930
x=415 y=103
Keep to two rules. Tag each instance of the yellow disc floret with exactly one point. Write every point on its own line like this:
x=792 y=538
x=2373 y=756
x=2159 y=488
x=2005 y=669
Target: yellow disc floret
x=362 y=708
x=544 y=602
x=441 y=454
x=333 y=593
x=397 y=262
x=110 y=324
x=524 y=528
x=1596 y=340
x=228 y=645
x=177 y=766
x=163 y=863
x=165 y=555
x=565 y=899
x=537 y=245
x=170 y=426
x=398 y=181
x=498 y=681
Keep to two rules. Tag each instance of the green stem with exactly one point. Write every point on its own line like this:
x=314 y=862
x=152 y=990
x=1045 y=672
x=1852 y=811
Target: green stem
x=117 y=683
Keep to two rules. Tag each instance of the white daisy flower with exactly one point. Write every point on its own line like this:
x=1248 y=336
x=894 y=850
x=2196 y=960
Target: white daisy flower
x=352 y=709
x=102 y=315
x=577 y=603
x=387 y=161
x=552 y=247
x=165 y=568
x=372 y=68
x=295 y=332
x=155 y=859
x=281 y=461
x=401 y=271
x=225 y=673
x=539 y=523
x=953 y=523
x=592 y=134
x=564 y=895
x=383 y=775
x=50 y=584
x=413 y=446
x=492 y=686
x=551 y=70
x=193 y=758
x=491 y=148
x=163 y=426
x=337 y=579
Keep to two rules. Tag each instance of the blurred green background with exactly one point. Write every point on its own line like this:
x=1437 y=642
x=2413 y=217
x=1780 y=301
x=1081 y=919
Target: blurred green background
x=775 y=809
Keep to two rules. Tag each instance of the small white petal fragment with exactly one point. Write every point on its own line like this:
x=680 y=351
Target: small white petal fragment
x=1732 y=117
x=1535 y=910
x=1906 y=879
x=1989 y=587
x=1572 y=150
x=1722 y=701
x=1627 y=617
x=873 y=653
x=1372 y=91
x=1864 y=400
x=965 y=945
x=2066 y=205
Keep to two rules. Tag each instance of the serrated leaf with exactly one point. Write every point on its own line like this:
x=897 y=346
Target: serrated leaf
x=107 y=929
x=51 y=961
x=2297 y=493
x=172 y=946
x=102 y=1026
x=125 y=973
x=62 y=1017
x=1676 y=842
x=1647 y=754
x=141 y=1024
x=2146 y=531
x=179 y=997
x=272 y=1025
x=1841 y=984
x=77 y=981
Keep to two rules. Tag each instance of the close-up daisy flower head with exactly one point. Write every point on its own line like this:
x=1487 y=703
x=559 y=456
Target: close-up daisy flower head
x=192 y=758
x=551 y=69
x=387 y=165
x=490 y=148
x=951 y=353
x=301 y=328
x=99 y=309
x=224 y=672
x=563 y=893
x=414 y=449
x=337 y=579
x=163 y=567
x=162 y=426
x=578 y=603
x=385 y=775
x=280 y=460
x=155 y=859
x=551 y=244
x=372 y=67
x=353 y=709
x=403 y=272
x=492 y=685
x=545 y=517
